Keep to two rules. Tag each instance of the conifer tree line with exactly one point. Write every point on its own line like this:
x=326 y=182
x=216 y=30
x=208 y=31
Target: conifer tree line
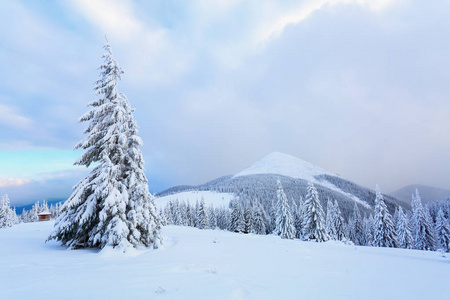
x=423 y=228
x=31 y=215
x=9 y=217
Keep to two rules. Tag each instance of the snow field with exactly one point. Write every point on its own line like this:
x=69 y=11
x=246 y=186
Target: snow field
x=213 y=264
x=211 y=198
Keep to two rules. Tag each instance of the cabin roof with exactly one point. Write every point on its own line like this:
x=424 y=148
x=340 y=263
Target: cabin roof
x=44 y=213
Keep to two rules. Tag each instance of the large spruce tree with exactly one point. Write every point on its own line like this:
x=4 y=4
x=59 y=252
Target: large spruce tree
x=112 y=205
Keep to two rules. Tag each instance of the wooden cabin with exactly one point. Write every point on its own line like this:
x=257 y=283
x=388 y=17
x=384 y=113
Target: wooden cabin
x=44 y=216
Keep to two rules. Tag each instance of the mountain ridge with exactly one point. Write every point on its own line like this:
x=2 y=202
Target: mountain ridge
x=428 y=194
x=258 y=183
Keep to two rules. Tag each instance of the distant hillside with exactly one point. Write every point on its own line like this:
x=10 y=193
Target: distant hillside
x=427 y=193
x=258 y=182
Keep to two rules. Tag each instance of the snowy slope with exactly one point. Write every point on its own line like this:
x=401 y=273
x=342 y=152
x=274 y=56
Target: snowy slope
x=210 y=264
x=291 y=166
x=259 y=182
x=191 y=197
x=285 y=164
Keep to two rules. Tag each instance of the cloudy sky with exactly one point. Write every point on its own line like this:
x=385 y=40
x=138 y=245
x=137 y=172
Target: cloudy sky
x=357 y=87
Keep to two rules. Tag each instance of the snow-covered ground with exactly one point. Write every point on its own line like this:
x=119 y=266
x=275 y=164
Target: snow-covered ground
x=211 y=198
x=211 y=264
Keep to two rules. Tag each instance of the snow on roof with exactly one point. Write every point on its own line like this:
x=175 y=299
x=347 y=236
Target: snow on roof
x=44 y=213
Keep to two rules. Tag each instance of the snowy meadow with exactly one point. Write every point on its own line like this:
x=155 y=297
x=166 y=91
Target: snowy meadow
x=215 y=264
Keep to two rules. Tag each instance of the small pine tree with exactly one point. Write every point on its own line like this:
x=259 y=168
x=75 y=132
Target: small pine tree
x=422 y=228
x=314 y=220
x=222 y=216
x=202 y=216
x=356 y=227
x=403 y=229
x=162 y=217
x=443 y=231
x=395 y=216
x=33 y=215
x=259 y=225
x=338 y=221
x=25 y=216
x=168 y=216
x=284 y=225
x=212 y=217
x=248 y=219
x=329 y=222
x=368 y=230
x=189 y=219
x=237 y=222
x=298 y=219
x=384 y=230
x=8 y=216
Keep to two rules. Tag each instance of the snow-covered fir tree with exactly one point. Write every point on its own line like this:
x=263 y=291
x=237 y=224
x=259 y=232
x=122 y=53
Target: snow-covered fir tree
x=384 y=230
x=248 y=218
x=284 y=223
x=395 y=216
x=25 y=216
x=184 y=213
x=403 y=230
x=202 y=216
x=329 y=221
x=338 y=223
x=111 y=206
x=8 y=216
x=443 y=231
x=195 y=213
x=368 y=230
x=422 y=228
x=162 y=217
x=33 y=215
x=55 y=210
x=222 y=217
x=237 y=222
x=298 y=218
x=271 y=217
x=314 y=220
x=189 y=216
x=168 y=216
x=212 y=217
x=356 y=227
x=175 y=211
x=259 y=226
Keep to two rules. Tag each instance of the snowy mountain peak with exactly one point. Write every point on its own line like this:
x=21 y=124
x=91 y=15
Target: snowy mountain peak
x=285 y=164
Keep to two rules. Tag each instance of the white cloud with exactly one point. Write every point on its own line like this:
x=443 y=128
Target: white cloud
x=11 y=118
x=147 y=51
x=112 y=16
x=303 y=10
x=7 y=182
